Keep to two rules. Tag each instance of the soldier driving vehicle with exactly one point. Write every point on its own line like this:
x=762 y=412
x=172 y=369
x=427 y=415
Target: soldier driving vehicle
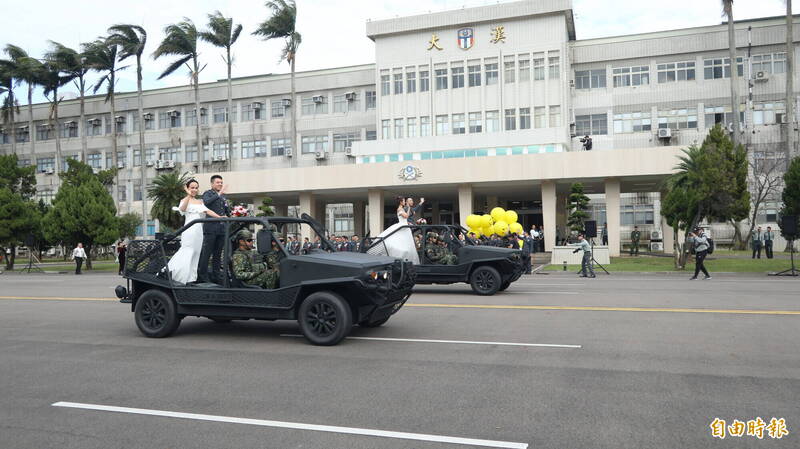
x=325 y=291
x=446 y=259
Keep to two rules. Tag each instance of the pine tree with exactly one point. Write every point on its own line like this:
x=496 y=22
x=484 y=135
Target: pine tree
x=578 y=205
x=266 y=209
x=791 y=195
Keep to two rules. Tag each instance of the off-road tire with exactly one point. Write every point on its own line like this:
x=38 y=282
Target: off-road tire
x=156 y=315
x=485 y=281
x=325 y=318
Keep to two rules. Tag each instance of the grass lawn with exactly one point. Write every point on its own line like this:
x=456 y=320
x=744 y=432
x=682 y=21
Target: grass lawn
x=96 y=266
x=645 y=263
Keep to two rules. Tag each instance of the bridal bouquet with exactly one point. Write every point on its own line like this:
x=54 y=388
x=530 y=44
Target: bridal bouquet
x=240 y=211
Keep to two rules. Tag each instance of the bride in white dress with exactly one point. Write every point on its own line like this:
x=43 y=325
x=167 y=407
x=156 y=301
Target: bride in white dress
x=183 y=265
x=398 y=244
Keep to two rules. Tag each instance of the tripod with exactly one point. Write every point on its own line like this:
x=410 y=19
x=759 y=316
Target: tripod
x=594 y=261
x=791 y=271
x=31 y=264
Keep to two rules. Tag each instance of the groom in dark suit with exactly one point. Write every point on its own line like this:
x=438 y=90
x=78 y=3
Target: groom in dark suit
x=213 y=233
x=414 y=213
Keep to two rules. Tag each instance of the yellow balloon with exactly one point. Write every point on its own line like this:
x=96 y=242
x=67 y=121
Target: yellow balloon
x=475 y=231
x=511 y=217
x=498 y=214
x=488 y=230
x=516 y=228
x=473 y=221
x=501 y=228
x=486 y=221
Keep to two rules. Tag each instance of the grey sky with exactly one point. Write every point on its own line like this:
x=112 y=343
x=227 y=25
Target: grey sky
x=333 y=31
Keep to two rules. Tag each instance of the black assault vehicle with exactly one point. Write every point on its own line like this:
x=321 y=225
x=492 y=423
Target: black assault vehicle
x=488 y=269
x=325 y=291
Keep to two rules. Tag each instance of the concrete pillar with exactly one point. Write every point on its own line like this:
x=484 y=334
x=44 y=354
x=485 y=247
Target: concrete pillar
x=434 y=212
x=358 y=218
x=549 y=213
x=465 y=203
x=561 y=215
x=375 y=198
x=666 y=231
x=612 y=215
x=307 y=206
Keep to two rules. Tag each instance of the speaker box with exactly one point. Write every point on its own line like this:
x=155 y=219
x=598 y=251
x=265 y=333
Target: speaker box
x=590 y=229
x=789 y=225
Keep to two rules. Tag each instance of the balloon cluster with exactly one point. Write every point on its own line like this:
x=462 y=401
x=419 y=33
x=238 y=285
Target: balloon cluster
x=499 y=222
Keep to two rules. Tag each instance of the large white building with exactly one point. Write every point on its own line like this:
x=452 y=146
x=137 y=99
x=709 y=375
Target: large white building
x=470 y=109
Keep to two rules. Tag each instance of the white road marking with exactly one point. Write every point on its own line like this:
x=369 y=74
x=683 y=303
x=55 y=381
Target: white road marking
x=295 y=425
x=540 y=291
x=461 y=342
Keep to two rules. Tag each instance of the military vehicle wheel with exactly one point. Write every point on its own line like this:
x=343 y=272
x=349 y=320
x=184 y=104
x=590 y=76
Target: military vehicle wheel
x=156 y=315
x=504 y=286
x=325 y=318
x=485 y=281
x=374 y=323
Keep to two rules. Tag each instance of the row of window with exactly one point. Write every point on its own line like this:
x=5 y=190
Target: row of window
x=713 y=68
x=474 y=74
x=474 y=122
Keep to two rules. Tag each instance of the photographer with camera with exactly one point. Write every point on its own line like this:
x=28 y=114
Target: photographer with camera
x=587 y=142
x=586 y=262
x=701 y=244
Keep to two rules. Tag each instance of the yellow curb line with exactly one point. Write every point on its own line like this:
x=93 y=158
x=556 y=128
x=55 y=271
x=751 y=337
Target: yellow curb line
x=608 y=309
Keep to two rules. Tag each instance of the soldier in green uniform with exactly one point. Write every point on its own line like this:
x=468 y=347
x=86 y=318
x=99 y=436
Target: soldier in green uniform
x=264 y=274
x=635 y=236
x=437 y=252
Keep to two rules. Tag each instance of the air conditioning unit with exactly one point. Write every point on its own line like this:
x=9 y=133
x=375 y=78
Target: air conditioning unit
x=656 y=246
x=781 y=118
x=761 y=76
x=150 y=163
x=655 y=235
x=286 y=102
x=95 y=122
x=288 y=152
x=664 y=133
x=202 y=111
x=23 y=129
x=173 y=113
x=95 y=170
x=350 y=96
x=71 y=124
x=348 y=151
x=119 y=119
x=256 y=105
x=148 y=116
x=220 y=158
x=49 y=171
x=120 y=164
x=318 y=99
x=320 y=155
x=729 y=127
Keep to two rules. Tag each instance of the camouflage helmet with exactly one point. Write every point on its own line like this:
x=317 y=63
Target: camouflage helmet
x=244 y=234
x=432 y=235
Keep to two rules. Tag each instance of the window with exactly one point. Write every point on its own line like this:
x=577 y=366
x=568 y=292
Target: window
x=314 y=144
x=424 y=126
x=458 y=124
x=398 y=128
x=95 y=160
x=769 y=63
x=107 y=121
x=386 y=130
x=441 y=79
x=676 y=71
x=280 y=146
x=678 y=118
x=94 y=128
x=411 y=82
x=250 y=113
x=317 y=104
x=474 y=75
x=539 y=117
x=631 y=76
x=509 y=70
x=137 y=191
x=169 y=154
x=458 y=77
x=122 y=192
x=372 y=135
x=150 y=154
x=768 y=113
x=259 y=148
x=137 y=157
x=371 y=99
x=424 y=81
x=47 y=196
x=385 y=83
x=590 y=79
x=632 y=122
x=524 y=69
x=44 y=164
x=411 y=124
x=538 y=66
x=23 y=163
x=475 y=122
x=22 y=134
x=555 y=65
x=69 y=129
x=511 y=119
x=44 y=132
x=74 y=157
x=722 y=115
x=4 y=136
x=595 y=124
x=637 y=214
x=221 y=115
x=122 y=159
x=345 y=140
x=524 y=118
x=398 y=83
x=169 y=119
x=442 y=125
x=248 y=150
x=555 y=116
x=191 y=119
x=720 y=68
x=491 y=73
x=492 y=121
x=277 y=108
x=339 y=103
x=191 y=153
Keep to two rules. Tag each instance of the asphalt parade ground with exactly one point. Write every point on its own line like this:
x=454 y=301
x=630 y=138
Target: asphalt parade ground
x=556 y=361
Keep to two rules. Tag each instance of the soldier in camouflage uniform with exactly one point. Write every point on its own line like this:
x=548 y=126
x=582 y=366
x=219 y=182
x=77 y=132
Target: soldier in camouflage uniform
x=438 y=253
x=263 y=274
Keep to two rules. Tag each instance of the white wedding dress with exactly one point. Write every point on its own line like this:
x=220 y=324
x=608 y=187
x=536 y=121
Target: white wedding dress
x=398 y=244
x=183 y=265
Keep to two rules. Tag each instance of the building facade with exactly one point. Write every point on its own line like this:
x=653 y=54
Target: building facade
x=469 y=109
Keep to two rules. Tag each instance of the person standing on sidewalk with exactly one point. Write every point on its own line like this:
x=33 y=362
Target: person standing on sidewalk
x=768 y=237
x=635 y=236
x=755 y=241
x=78 y=255
x=586 y=262
x=700 y=242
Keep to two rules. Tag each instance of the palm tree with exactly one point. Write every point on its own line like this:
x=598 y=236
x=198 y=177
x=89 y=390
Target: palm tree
x=181 y=41
x=281 y=25
x=131 y=40
x=166 y=191
x=102 y=57
x=10 y=105
x=29 y=70
x=74 y=68
x=223 y=34
x=51 y=81
x=727 y=9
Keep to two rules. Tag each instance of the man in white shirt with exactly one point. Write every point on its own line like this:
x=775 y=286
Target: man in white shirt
x=78 y=255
